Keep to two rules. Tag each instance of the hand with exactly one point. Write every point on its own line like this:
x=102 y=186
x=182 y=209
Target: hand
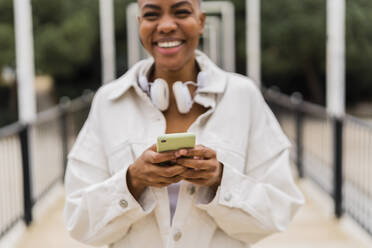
x=204 y=168
x=146 y=171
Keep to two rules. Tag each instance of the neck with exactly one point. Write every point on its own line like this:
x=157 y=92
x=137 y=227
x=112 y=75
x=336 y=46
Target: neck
x=188 y=72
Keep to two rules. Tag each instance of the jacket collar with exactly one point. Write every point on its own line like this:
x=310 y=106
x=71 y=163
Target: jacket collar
x=216 y=82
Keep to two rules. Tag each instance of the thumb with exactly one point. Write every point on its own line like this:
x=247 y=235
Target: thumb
x=152 y=148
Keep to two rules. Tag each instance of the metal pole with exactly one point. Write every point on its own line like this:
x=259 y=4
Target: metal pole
x=297 y=101
x=253 y=26
x=107 y=40
x=26 y=166
x=338 y=174
x=64 y=105
x=133 y=39
x=336 y=57
x=25 y=61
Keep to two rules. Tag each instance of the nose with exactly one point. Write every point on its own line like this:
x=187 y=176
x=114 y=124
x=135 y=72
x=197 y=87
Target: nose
x=167 y=25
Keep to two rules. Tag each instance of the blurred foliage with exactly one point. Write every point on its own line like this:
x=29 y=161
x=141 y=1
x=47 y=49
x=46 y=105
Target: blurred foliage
x=359 y=50
x=7 y=45
x=294 y=48
x=67 y=44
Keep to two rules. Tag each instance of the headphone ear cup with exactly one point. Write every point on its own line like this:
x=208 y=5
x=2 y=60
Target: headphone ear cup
x=183 y=97
x=159 y=93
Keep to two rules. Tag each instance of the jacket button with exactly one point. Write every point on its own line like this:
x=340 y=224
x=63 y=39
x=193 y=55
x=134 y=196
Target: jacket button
x=192 y=190
x=227 y=197
x=123 y=203
x=177 y=236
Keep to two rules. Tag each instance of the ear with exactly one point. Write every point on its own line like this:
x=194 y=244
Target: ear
x=202 y=17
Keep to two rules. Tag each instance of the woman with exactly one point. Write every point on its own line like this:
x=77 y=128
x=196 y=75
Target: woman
x=232 y=190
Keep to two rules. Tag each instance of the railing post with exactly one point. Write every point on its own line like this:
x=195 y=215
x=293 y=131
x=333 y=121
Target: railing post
x=27 y=183
x=64 y=104
x=299 y=141
x=338 y=175
x=297 y=100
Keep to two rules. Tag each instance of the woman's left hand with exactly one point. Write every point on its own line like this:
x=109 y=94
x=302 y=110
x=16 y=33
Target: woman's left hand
x=204 y=168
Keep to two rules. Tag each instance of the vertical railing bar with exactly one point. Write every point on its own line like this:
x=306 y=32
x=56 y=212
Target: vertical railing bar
x=7 y=171
x=2 y=202
x=26 y=166
x=13 y=172
x=299 y=136
x=64 y=106
x=296 y=100
x=338 y=131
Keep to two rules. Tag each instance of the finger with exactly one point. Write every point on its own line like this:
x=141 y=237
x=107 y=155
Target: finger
x=171 y=171
x=161 y=181
x=195 y=164
x=201 y=151
x=156 y=157
x=168 y=180
x=159 y=185
x=152 y=148
x=192 y=174
x=181 y=152
x=202 y=182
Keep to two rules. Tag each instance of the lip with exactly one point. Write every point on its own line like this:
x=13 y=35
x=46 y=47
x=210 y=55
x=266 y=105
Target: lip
x=168 y=39
x=168 y=51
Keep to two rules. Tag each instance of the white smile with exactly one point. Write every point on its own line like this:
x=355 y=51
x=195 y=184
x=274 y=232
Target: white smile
x=169 y=44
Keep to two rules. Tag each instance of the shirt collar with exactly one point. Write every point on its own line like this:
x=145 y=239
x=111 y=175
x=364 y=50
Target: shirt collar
x=215 y=83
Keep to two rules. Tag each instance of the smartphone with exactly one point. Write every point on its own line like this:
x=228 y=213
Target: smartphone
x=175 y=141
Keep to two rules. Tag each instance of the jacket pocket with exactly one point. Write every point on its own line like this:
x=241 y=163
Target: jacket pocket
x=120 y=157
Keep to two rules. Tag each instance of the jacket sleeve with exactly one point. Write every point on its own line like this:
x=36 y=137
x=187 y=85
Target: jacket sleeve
x=263 y=199
x=99 y=208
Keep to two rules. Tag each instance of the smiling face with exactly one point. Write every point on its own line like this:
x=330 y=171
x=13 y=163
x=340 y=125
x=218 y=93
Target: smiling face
x=170 y=31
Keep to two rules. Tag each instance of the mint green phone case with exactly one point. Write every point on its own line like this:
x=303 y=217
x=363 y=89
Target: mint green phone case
x=175 y=141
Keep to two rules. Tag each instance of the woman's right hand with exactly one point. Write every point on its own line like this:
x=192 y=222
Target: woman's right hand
x=146 y=171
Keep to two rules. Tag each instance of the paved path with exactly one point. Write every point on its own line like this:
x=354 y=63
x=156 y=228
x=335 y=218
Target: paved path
x=312 y=227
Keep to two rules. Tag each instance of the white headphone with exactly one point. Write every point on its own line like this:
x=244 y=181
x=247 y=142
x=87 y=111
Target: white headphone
x=159 y=92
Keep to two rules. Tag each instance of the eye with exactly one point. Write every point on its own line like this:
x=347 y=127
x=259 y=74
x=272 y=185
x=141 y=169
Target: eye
x=183 y=13
x=150 y=15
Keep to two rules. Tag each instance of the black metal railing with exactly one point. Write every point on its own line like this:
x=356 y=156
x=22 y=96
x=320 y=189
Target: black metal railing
x=33 y=158
x=357 y=168
x=334 y=152
x=12 y=193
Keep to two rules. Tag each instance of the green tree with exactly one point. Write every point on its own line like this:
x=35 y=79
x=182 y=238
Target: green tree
x=294 y=48
x=359 y=51
x=7 y=46
x=66 y=37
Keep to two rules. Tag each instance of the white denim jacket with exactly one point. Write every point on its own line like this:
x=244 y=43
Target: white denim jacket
x=257 y=195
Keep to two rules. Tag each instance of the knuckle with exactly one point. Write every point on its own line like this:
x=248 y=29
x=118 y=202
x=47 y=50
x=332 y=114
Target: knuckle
x=199 y=163
x=152 y=180
x=154 y=158
x=168 y=173
x=213 y=152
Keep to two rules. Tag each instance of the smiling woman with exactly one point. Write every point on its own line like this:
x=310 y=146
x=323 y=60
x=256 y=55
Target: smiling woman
x=232 y=189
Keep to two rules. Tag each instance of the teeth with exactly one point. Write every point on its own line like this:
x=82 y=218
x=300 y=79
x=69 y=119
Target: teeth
x=169 y=44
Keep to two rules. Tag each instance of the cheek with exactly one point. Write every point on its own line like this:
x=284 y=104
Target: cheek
x=193 y=32
x=145 y=34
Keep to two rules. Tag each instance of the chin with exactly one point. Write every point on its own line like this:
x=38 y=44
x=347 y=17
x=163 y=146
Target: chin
x=171 y=66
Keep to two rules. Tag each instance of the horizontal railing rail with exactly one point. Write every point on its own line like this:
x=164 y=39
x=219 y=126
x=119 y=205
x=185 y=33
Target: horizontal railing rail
x=33 y=158
x=11 y=129
x=334 y=152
